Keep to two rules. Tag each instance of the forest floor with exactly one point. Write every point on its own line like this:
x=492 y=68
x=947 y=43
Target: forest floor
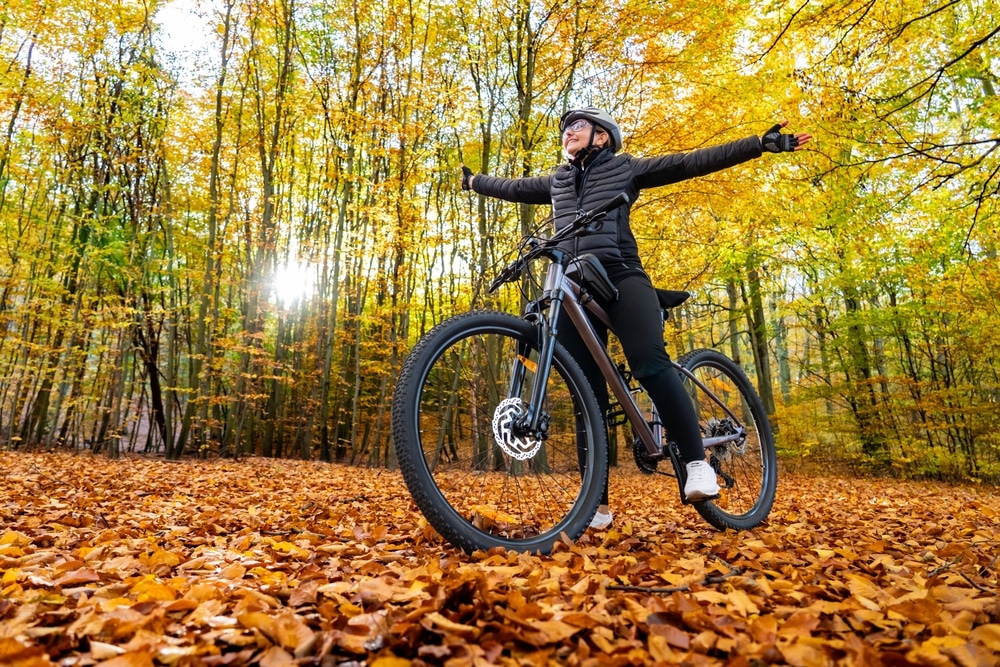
x=139 y=562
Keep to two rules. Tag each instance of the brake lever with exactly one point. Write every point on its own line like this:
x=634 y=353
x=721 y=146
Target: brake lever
x=594 y=225
x=511 y=272
x=514 y=270
x=595 y=218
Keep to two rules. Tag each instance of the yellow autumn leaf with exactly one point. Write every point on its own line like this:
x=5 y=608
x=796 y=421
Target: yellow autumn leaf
x=348 y=609
x=257 y=620
x=635 y=611
x=804 y=652
x=491 y=514
x=863 y=588
x=291 y=632
x=390 y=661
x=988 y=635
x=268 y=576
x=660 y=651
x=150 y=589
x=280 y=545
x=931 y=650
x=161 y=557
x=110 y=604
x=15 y=538
x=11 y=551
x=436 y=620
x=234 y=571
x=554 y=631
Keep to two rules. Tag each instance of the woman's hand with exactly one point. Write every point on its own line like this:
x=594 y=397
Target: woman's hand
x=466 y=178
x=776 y=142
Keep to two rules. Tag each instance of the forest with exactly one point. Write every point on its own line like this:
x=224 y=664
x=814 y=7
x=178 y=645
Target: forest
x=224 y=223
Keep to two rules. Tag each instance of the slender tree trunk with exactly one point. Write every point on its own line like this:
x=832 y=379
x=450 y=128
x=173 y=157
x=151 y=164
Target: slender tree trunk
x=197 y=380
x=733 y=322
x=781 y=346
x=757 y=321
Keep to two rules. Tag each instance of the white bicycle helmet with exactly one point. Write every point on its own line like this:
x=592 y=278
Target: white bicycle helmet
x=599 y=118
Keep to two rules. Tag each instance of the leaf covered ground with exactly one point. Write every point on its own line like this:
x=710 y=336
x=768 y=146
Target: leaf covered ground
x=143 y=562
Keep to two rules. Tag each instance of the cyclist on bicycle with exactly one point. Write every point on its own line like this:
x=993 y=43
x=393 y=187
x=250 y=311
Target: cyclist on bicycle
x=595 y=172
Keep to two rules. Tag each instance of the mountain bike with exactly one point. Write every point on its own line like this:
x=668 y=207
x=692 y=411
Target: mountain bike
x=499 y=436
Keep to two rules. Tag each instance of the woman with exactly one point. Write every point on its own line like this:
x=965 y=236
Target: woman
x=594 y=173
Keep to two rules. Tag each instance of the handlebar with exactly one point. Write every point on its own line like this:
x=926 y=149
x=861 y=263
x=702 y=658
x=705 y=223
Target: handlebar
x=539 y=247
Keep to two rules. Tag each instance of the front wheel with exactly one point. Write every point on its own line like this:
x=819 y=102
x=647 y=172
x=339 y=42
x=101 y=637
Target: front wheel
x=747 y=468
x=477 y=475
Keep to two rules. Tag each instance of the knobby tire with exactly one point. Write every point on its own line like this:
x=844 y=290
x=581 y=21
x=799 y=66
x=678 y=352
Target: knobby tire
x=749 y=470
x=471 y=490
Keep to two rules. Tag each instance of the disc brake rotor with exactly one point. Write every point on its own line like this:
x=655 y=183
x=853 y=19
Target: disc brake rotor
x=520 y=447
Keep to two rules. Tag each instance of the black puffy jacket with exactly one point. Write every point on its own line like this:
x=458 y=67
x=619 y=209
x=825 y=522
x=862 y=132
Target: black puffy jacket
x=604 y=177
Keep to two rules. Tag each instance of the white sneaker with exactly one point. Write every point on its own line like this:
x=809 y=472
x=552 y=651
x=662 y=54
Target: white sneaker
x=701 y=482
x=601 y=520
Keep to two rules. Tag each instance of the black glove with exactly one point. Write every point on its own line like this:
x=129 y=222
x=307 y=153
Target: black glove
x=776 y=142
x=466 y=178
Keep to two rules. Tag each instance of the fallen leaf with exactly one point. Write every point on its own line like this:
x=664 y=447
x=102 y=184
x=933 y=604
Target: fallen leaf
x=174 y=574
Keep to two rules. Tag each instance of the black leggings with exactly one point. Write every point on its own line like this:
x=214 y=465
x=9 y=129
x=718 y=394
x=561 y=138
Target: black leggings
x=636 y=321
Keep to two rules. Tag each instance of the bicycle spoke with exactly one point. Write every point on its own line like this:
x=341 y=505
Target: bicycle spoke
x=480 y=479
x=747 y=465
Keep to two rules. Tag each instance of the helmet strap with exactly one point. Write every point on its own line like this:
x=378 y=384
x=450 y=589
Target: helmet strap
x=588 y=150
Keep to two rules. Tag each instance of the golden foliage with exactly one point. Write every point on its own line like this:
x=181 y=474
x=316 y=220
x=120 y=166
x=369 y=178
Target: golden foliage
x=149 y=202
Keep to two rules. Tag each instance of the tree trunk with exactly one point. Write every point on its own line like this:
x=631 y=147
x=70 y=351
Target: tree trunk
x=757 y=322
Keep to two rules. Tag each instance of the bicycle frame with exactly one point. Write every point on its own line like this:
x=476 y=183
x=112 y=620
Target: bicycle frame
x=500 y=439
x=562 y=292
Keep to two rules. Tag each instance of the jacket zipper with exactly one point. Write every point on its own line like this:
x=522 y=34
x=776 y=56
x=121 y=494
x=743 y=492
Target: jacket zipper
x=580 y=190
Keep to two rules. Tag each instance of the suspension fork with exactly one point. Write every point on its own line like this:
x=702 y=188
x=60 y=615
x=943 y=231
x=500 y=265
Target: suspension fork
x=532 y=420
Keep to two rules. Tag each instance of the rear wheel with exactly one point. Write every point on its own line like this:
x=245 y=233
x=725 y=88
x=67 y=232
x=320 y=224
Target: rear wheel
x=747 y=468
x=481 y=479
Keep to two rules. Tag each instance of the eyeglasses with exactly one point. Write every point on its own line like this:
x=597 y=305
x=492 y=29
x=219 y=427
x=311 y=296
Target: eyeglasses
x=578 y=125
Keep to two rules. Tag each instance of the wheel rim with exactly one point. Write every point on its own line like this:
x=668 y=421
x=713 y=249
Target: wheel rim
x=491 y=483
x=742 y=466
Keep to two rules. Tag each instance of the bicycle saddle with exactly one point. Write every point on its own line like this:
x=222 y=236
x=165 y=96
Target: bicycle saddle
x=670 y=298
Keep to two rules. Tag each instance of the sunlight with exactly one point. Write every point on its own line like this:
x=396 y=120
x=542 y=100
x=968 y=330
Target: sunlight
x=293 y=282
x=185 y=39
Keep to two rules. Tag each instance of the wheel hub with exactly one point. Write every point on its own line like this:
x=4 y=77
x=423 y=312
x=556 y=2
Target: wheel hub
x=520 y=446
x=722 y=427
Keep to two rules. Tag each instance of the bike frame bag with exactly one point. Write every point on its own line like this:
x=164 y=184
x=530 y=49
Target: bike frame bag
x=588 y=271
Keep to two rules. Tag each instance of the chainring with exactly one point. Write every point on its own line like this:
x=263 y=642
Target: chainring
x=645 y=462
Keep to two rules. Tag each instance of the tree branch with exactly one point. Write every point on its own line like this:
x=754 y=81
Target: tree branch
x=936 y=76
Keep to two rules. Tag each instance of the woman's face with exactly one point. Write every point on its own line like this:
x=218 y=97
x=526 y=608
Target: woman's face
x=577 y=135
